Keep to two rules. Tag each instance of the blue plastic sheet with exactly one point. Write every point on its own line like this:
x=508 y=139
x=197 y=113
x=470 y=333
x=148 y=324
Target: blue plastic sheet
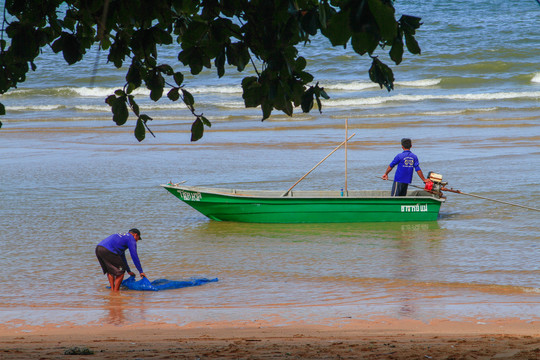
x=162 y=284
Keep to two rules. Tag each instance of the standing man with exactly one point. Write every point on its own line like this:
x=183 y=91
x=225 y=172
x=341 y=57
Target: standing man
x=111 y=253
x=406 y=162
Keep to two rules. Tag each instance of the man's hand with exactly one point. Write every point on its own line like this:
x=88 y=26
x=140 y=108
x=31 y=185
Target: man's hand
x=385 y=177
x=131 y=273
x=142 y=275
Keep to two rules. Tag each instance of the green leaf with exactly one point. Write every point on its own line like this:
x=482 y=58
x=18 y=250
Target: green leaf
x=337 y=29
x=133 y=75
x=120 y=112
x=173 y=94
x=252 y=91
x=155 y=82
x=206 y=121
x=188 y=98
x=310 y=22
x=178 y=78
x=197 y=129
x=140 y=131
x=381 y=74
x=410 y=24
x=145 y=118
x=384 y=15
x=322 y=15
x=266 y=109
x=71 y=48
x=288 y=107
x=396 y=52
x=412 y=44
x=319 y=105
x=307 y=101
x=111 y=99
x=166 y=69
x=363 y=42
x=220 y=63
x=133 y=104
x=324 y=95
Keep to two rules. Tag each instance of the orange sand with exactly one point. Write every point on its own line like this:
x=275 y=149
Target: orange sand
x=381 y=339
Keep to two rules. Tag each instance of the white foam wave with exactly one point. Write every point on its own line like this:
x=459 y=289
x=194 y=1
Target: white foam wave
x=352 y=86
x=378 y=100
x=35 y=108
x=536 y=78
x=364 y=85
x=419 y=83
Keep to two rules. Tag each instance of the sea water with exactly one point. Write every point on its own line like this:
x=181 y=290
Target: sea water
x=70 y=177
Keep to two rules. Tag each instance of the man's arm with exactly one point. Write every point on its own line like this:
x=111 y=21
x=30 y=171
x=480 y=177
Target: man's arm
x=385 y=176
x=421 y=174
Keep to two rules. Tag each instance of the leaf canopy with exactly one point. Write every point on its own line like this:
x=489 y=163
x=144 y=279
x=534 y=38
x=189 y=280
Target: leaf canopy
x=263 y=34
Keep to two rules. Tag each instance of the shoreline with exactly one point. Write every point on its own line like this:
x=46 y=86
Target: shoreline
x=381 y=338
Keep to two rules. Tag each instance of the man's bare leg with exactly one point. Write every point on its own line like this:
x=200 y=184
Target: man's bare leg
x=111 y=280
x=118 y=282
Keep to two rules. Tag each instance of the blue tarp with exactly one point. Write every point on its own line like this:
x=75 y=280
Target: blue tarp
x=162 y=284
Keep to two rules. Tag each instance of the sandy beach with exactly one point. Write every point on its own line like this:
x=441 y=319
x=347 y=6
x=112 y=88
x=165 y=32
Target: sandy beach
x=381 y=339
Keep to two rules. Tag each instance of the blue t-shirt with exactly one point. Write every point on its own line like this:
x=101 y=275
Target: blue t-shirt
x=406 y=162
x=118 y=243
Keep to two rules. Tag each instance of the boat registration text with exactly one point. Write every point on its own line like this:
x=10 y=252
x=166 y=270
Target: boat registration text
x=414 y=208
x=189 y=196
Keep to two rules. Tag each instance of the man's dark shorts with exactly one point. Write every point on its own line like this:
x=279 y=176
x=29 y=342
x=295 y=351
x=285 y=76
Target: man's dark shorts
x=110 y=262
x=399 y=189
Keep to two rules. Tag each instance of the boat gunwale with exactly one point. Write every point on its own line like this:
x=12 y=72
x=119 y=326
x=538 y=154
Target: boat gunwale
x=278 y=194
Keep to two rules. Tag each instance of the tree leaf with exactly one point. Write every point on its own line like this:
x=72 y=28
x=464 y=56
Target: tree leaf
x=412 y=44
x=206 y=121
x=381 y=74
x=120 y=112
x=396 y=52
x=71 y=48
x=266 y=109
x=140 y=131
x=173 y=94
x=383 y=12
x=307 y=100
x=188 y=98
x=197 y=129
x=178 y=78
x=363 y=42
x=133 y=104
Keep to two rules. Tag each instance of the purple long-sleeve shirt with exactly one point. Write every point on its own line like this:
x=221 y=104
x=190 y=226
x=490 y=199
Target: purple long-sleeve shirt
x=406 y=162
x=118 y=243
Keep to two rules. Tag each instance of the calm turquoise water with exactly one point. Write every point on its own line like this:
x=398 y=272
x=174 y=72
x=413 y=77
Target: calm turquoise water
x=471 y=102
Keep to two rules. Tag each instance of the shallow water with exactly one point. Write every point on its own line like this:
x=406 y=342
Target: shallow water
x=69 y=177
x=67 y=193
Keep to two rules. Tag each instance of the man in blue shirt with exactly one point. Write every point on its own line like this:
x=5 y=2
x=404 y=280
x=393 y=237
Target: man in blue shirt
x=406 y=162
x=111 y=253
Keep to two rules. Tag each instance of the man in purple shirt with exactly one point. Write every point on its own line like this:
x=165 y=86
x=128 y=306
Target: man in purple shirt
x=111 y=253
x=406 y=162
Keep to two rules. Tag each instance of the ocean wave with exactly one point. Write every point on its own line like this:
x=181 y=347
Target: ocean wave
x=536 y=78
x=378 y=100
x=102 y=92
x=348 y=102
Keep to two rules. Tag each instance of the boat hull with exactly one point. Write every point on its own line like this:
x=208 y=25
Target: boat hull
x=307 y=206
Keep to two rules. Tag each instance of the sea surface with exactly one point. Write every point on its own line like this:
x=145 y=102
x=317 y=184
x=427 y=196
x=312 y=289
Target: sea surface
x=70 y=177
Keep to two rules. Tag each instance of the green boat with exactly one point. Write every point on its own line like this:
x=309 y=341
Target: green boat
x=267 y=206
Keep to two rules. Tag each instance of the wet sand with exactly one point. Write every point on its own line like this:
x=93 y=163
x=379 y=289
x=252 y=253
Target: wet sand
x=384 y=338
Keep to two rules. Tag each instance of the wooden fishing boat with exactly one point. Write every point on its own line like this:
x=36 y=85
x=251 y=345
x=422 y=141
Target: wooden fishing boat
x=267 y=206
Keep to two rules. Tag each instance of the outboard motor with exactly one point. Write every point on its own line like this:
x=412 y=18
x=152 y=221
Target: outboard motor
x=436 y=184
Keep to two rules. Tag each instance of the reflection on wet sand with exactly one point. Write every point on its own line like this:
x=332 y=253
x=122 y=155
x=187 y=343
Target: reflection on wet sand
x=115 y=309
